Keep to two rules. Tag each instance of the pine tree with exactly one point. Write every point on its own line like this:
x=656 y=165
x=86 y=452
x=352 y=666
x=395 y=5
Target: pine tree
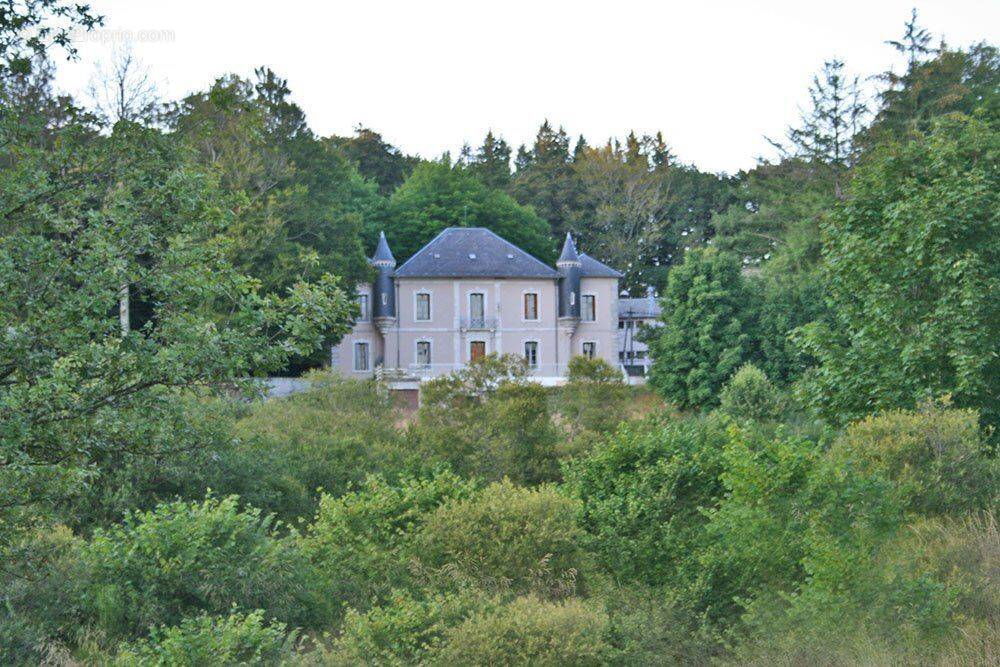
x=490 y=163
x=828 y=129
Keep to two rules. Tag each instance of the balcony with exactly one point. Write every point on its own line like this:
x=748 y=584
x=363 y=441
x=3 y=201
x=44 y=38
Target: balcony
x=478 y=323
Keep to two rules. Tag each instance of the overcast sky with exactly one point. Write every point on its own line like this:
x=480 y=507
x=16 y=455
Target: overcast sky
x=715 y=77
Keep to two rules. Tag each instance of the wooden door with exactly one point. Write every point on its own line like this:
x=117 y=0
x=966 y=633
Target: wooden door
x=477 y=350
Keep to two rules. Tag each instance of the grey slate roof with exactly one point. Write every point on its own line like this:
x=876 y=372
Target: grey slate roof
x=382 y=252
x=473 y=252
x=641 y=308
x=568 y=251
x=591 y=268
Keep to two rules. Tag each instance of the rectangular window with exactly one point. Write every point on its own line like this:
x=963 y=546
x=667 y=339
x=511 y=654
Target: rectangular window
x=477 y=350
x=363 y=308
x=589 y=349
x=361 y=360
x=477 y=308
x=423 y=307
x=423 y=353
x=531 y=306
x=531 y=353
x=588 y=308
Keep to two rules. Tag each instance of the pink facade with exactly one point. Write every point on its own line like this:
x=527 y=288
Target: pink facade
x=440 y=323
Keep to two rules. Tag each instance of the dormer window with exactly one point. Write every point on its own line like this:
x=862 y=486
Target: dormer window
x=472 y=255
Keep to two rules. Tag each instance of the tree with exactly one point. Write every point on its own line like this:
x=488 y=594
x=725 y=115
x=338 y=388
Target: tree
x=437 y=195
x=529 y=632
x=377 y=160
x=30 y=28
x=935 y=81
x=486 y=421
x=706 y=334
x=504 y=539
x=544 y=179
x=220 y=558
x=124 y=90
x=913 y=266
x=826 y=134
x=626 y=194
x=80 y=221
x=491 y=162
x=300 y=206
x=749 y=394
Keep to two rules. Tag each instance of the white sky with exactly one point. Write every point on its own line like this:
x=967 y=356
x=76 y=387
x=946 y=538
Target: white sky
x=715 y=77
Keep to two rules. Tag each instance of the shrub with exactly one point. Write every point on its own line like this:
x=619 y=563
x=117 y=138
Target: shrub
x=642 y=493
x=184 y=558
x=594 y=396
x=486 y=421
x=934 y=455
x=505 y=538
x=329 y=437
x=528 y=631
x=755 y=538
x=243 y=639
x=356 y=540
x=404 y=629
x=749 y=394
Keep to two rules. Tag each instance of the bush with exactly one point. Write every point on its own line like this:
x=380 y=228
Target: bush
x=528 y=631
x=356 y=540
x=594 y=396
x=486 y=421
x=243 y=639
x=749 y=394
x=642 y=493
x=505 y=538
x=184 y=558
x=327 y=438
x=404 y=630
x=934 y=455
x=756 y=537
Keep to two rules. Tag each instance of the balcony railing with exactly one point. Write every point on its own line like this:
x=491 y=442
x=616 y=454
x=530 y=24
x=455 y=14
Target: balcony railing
x=435 y=370
x=478 y=323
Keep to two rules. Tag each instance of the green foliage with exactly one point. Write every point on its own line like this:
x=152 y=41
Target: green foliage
x=528 y=631
x=76 y=387
x=437 y=195
x=642 y=492
x=403 y=631
x=594 y=398
x=911 y=261
x=182 y=559
x=378 y=161
x=934 y=456
x=357 y=540
x=487 y=421
x=505 y=538
x=244 y=639
x=749 y=394
x=705 y=336
x=327 y=438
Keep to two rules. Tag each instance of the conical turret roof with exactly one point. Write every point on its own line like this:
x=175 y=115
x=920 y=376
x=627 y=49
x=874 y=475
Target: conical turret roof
x=382 y=252
x=568 y=252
